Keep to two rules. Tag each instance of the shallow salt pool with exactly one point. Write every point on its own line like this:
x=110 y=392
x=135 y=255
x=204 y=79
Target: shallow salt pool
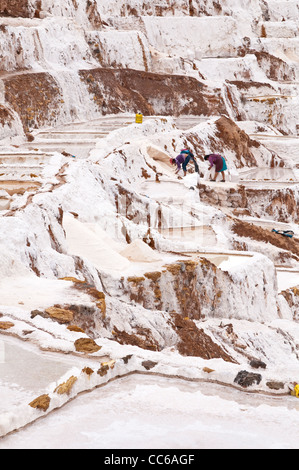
x=268 y=174
x=158 y=413
x=26 y=373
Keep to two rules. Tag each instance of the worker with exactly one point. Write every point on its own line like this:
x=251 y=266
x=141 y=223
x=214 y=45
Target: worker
x=219 y=162
x=182 y=160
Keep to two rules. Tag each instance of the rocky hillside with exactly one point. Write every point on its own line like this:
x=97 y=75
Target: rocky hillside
x=66 y=61
x=101 y=243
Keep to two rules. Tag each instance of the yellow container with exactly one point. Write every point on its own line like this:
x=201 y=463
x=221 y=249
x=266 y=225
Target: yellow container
x=138 y=118
x=295 y=392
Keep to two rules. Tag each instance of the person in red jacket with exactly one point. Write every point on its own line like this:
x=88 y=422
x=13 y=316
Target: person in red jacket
x=219 y=162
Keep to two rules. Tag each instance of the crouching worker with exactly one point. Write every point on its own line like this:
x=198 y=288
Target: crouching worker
x=219 y=162
x=182 y=160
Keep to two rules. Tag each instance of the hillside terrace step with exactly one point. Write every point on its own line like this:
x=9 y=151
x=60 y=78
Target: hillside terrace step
x=34 y=161
x=11 y=161
x=59 y=139
x=274 y=137
x=272 y=185
x=97 y=124
x=282 y=175
x=258 y=185
x=25 y=155
x=18 y=187
x=20 y=178
x=57 y=144
x=23 y=164
x=266 y=98
x=73 y=135
x=20 y=171
x=110 y=123
x=79 y=149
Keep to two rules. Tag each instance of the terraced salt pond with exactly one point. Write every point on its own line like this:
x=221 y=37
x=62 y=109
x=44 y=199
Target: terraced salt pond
x=26 y=372
x=268 y=174
x=150 y=412
x=268 y=178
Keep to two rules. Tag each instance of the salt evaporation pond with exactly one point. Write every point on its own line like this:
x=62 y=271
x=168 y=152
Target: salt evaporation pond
x=268 y=174
x=26 y=373
x=147 y=412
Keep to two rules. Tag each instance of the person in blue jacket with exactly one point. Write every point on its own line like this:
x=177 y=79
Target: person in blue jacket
x=182 y=160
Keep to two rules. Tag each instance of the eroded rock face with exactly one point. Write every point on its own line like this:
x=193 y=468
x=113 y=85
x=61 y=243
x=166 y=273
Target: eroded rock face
x=195 y=342
x=154 y=29
x=233 y=137
x=280 y=204
x=5 y=116
x=198 y=289
x=292 y=298
x=16 y=8
x=190 y=340
x=248 y=230
x=37 y=9
x=274 y=67
x=38 y=99
x=150 y=93
x=142 y=337
x=35 y=97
